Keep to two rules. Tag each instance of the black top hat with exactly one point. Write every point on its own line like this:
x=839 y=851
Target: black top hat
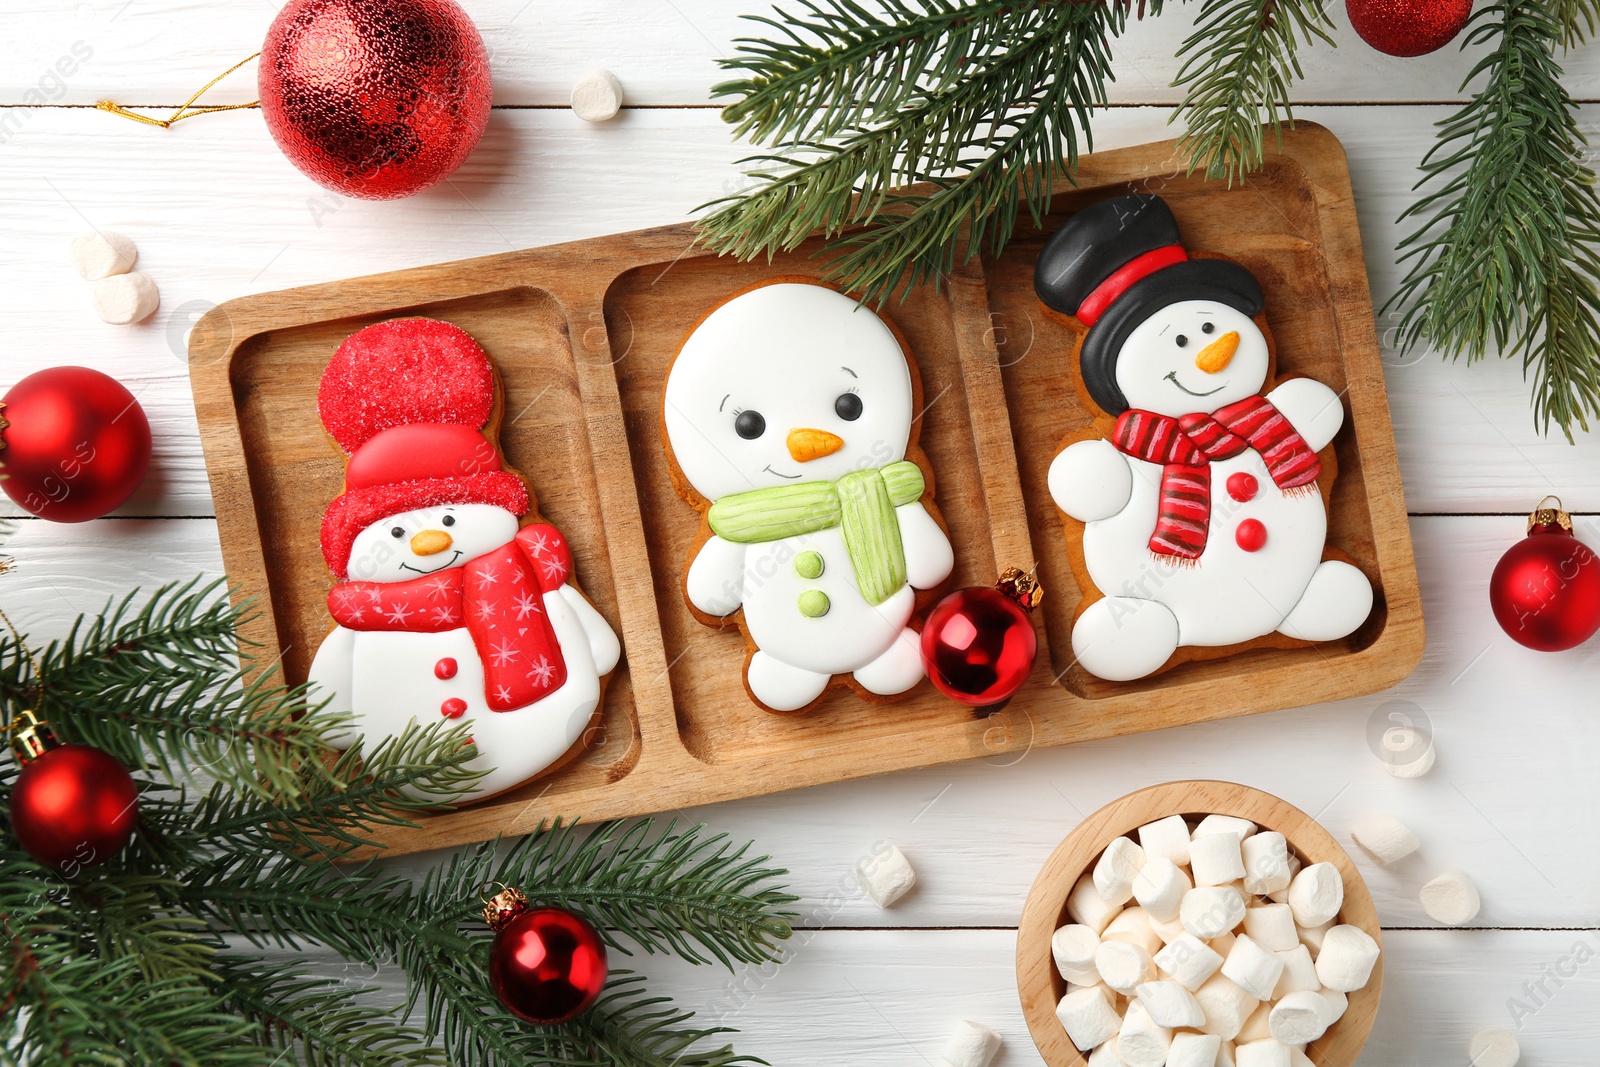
x=1113 y=265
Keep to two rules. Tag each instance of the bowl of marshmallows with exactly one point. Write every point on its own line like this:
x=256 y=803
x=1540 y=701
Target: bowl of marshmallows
x=1199 y=924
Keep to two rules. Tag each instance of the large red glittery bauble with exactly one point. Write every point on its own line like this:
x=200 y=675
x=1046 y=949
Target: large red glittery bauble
x=978 y=646
x=547 y=965
x=1408 y=27
x=77 y=444
x=1545 y=591
x=375 y=99
x=74 y=807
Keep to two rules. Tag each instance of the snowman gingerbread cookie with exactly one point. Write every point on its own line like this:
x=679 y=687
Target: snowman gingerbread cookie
x=790 y=418
x=448 y=600
x=1203 y=524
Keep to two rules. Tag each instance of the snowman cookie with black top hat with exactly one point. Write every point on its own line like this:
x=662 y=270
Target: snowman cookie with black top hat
x=1203 y=520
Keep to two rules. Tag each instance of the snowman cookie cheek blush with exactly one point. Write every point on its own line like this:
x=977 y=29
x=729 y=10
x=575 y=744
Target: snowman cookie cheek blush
x=1198 y=496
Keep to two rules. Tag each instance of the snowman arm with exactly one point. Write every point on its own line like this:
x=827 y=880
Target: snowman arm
x=1312 y=409
x=929 y=557
x=603 y=643
x=715 y=583
x=1090 y=480
x=331 y=680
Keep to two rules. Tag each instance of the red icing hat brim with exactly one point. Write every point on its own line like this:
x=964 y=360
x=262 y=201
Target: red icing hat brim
x=353 y=512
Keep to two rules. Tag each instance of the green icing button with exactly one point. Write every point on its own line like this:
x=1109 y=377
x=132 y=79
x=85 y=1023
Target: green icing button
x=813 y=603
x=809 y=565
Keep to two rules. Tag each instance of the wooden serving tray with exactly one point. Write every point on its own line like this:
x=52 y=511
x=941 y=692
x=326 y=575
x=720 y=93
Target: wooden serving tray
x=583 y=334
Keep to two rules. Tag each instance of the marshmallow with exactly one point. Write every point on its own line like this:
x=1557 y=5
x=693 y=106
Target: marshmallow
x=1299 y=1018
x=1255 y=1028
x=123 y=299
x=1298 y=1058
x=1170 y=1004
x=886 y=875
x=1346 y=960
x=1142 y=1042
x=1073 y=948
x=971 y=1045
x=1281 y=896
x=1188 y=961
x=1451 y=898
x=1168 y=931
x=1099 y=987
x=1266 y=863
x=1225 y=824
x=1088 y=1018
x=1272 y=927
x=1252 y=968
x=1086 y=906
x=1225 y=1055
x=1337 y=1003
x=1159 y=888
x=1311 y=936
x=1316 y=894
x=1118 y=866
x=1105 y=1055
x=102 y=254
x=1409 y=753
x=1222 y=944
x=1211 y=910
x=1266 y=1053
x=1133 y=926
x=1166 y=839
x=1385 y=838
x=1299 y=973
x=1493 y=1048
x=1194 y=1050
x=1215 y=859
x=1123 y=966
x=597 y=97
x=1226 y=1007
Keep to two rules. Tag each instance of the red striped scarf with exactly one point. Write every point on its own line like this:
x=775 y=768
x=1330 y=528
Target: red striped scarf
x=1185 y=448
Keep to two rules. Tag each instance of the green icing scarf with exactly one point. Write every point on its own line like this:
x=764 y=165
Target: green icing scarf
x=861 y=503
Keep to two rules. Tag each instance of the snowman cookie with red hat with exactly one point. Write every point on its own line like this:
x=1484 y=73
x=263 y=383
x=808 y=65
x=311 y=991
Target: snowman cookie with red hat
x=447 y=604
x=1203 y=520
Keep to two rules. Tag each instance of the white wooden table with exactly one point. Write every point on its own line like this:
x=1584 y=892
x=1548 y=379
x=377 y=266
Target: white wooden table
x=219 y=213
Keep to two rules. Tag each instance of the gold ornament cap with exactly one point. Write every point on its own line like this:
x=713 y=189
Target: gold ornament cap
x=1022 y=587
x=31 y=736
x=500 y=909
x=1543 y=516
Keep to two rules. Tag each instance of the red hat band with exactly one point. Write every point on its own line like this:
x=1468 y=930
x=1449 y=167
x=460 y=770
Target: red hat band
x=1140 y=267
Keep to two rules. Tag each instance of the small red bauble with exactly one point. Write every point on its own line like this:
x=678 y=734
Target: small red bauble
x=376 y=99
x=1408 y=27
x=73 y=807
x=547 y=965
x=1545 y=591
x=978 y=644
x=453 y=708
x=446 y=668
x=77 y=444
x=1243 y=486
x=1251 y=535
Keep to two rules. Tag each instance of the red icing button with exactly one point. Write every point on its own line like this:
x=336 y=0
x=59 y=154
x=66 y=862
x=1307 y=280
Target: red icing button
x=453 y=708
x=1242 y=487
x=445 y=669
x=1251 y=535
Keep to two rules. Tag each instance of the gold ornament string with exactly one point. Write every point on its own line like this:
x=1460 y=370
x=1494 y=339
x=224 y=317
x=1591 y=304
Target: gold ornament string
x=28 y=732
x=185 y=111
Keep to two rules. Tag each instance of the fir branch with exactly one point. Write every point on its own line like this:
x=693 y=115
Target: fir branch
x=629 y=1027
x=1578 y=19
x=1504 y=250
x=1238 y=66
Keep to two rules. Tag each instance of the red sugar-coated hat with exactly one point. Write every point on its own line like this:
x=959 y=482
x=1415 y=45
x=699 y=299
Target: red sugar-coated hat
x=407 y=400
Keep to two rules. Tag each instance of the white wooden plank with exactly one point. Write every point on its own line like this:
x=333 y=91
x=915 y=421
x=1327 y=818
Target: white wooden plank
x=144 y=52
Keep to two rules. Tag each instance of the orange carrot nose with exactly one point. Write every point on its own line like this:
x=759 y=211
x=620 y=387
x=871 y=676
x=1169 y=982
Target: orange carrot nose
x=429 y=542
x=807 y=445
x=1219 y=353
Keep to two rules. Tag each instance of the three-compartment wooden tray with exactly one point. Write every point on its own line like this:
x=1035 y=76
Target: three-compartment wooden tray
x=583 y=334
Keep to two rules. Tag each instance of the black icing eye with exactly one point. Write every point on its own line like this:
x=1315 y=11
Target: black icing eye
x=398 y=531
x=749 y=425
x=848 y=407
x=1208 y=328
x=1183 y=342
x=448 y=520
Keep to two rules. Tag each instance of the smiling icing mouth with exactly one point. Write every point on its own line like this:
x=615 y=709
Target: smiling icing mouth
x=440 y=567
x=769 y=470
x=1172 y=376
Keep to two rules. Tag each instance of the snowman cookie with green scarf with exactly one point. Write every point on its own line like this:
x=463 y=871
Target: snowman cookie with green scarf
x=790 y=419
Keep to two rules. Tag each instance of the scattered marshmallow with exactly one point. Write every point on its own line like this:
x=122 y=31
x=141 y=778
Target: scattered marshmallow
x=971 y=1045
x=1451 y=898
x=1142 y=1042
x=1410 y=752
x=1226 y=1007
x=1266 y=863
x=1494 y=1048
x=597 y=97
x=1119 y=864
x=1133 y=926
x=1188 y=961
x=1159 y=888
x=1170 y=1004
x=1252 y=968
x=886 y=875
x=123 y=299
x=1299 y=1018
x=1299 y=973
x=1210 y=911
x=1215 y=859
x=1194 y=1050
x=1316 y=894
x=1124 y=967
x=1166 y=838
x=1225 y=824
x=1268 y=1053
x=102 y=254
x=1088 y=1018
x=1086 y=906
x=1346 y=960
x=1272 y=927
x=1385 y=838
x=1073 y=948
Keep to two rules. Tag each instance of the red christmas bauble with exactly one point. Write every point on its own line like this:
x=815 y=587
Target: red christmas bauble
x=1408 y=27
x=1545 y=591
x=77 y=444
x=978 y=644
x=547 y=965
x=376 y=99
x=73 y=807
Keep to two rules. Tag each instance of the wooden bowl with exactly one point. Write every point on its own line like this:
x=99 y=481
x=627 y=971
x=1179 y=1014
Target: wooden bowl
x=1042 y=987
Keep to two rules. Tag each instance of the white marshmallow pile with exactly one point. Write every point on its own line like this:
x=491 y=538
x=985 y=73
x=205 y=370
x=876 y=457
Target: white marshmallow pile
x=121 y=294
x=886 y=875
x=1208 y=946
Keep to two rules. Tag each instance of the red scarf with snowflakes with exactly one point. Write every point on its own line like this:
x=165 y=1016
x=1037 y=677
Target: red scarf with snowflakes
x=1185 y=448
x=498 y=597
